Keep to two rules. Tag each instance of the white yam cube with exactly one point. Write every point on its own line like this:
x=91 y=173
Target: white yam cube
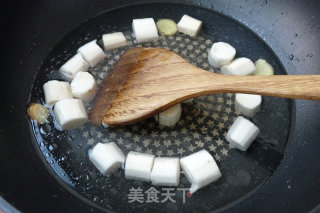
x=106 y=157
x=242 y=133
x=70 y=114
x=145 y=29
x=189 y=25
x=73 y=66
x=138 y=166
x=169 y=117
x=200 y=169
x=220 y=54
x=92 y=53
x=165 y=171
x=55 y=91
x=114 y=40
x=248 y=104
x=240 y=66
x=84 y=87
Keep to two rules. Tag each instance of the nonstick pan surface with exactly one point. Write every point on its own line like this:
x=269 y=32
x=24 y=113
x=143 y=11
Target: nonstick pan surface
x=253 y=168
x=203 y=125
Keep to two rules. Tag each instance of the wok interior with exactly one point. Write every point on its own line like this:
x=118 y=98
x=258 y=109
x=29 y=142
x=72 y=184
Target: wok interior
x=203 y=125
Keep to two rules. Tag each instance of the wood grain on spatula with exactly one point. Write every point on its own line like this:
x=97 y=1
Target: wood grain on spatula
x=146 y=81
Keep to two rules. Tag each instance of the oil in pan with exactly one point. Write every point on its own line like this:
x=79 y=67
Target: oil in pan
x=203 y=125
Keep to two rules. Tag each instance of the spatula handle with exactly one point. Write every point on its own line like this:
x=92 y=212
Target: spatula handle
x=285 y=86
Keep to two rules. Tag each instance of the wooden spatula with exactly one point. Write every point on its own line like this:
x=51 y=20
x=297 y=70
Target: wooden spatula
x=146 y=81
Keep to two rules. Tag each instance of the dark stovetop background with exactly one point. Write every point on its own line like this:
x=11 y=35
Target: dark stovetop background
x=31 y=28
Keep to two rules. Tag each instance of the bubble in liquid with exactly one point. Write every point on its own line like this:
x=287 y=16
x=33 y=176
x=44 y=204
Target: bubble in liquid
x=45 y=129
x=87 y=177
x=291 y=56
x=50 y=148
x=96 y=199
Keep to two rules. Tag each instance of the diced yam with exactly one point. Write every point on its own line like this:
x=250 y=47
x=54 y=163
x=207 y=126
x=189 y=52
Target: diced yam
x=92 y=53
x=240 y=66
x=220 y=54
x=165 y=171
x=138 y=166
x=169 y=117
x=114 y=40
x=189 y=25
x=70 y=114
x=106 y=157
x=84 y=87
x=55 y=91
x=248 y=104
x=73 y=66
x=242 y=133
x=145 y=29
x=200 y=169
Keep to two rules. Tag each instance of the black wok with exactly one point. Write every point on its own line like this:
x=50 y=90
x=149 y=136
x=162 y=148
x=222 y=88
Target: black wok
x=32 y=30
